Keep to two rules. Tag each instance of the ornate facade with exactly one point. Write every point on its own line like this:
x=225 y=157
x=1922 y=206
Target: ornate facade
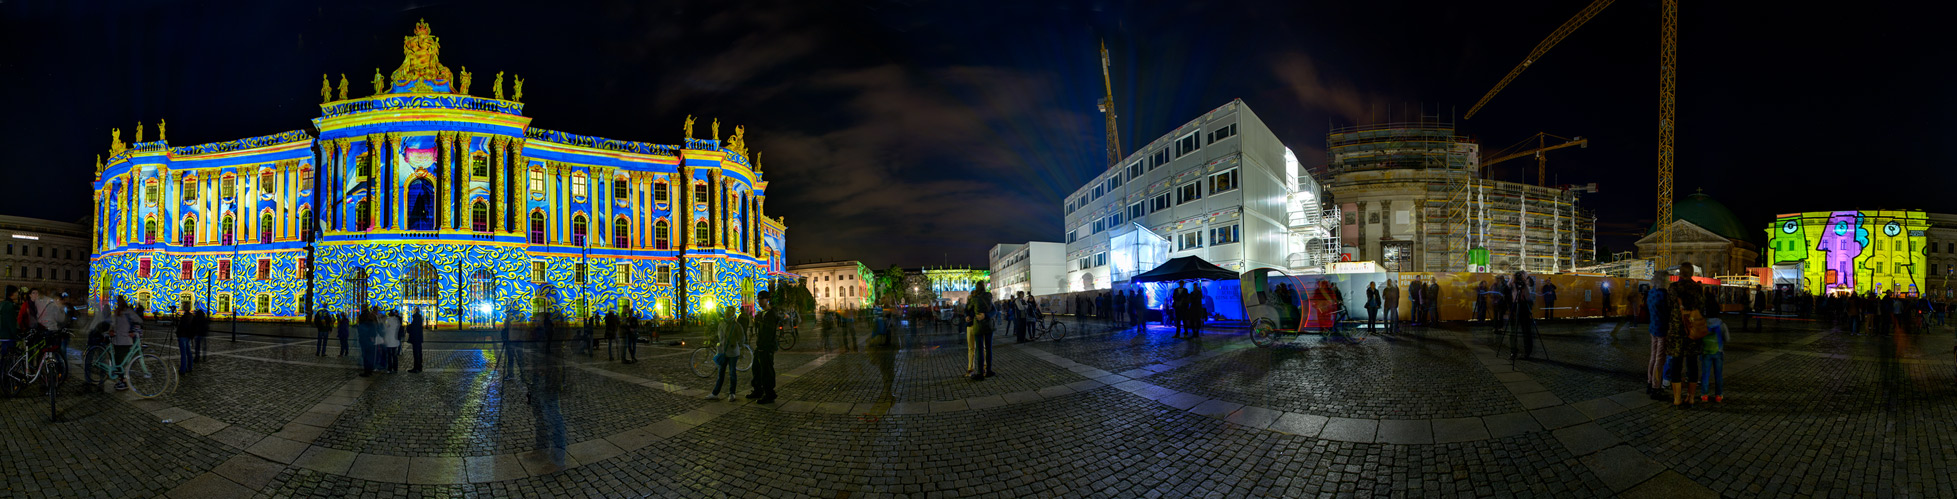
x=424 y=196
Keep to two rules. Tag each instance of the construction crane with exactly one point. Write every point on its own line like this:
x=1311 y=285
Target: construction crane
x=1107 y=108
x=1542 y=146
x=1667 y=100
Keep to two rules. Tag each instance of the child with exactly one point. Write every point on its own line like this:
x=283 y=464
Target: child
x=1712 y=375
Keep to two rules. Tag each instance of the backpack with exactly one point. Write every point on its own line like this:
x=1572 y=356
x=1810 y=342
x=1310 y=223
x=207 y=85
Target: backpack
x=1694 y=323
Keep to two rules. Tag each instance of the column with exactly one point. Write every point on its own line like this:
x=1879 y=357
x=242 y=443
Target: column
x=496 y=157
x=516 y=189
x=443 y=155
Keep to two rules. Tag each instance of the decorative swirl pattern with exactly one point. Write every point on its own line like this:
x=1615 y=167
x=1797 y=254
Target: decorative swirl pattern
x=423 y=101
x=573 y=139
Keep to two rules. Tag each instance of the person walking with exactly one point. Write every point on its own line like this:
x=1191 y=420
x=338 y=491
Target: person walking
x=323 y=324
x=767 y=324
x=629 y=352
x=978 y=337
x=1372 y=305
x=340 y=329
x=1657 y=304
x=727 y=355
x=1691 y=307
x=1549 y=300
x=415 y=338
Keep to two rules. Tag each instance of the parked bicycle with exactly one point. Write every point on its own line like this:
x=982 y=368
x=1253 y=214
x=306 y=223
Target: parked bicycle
x=40 y=360
x=1050 y=328
x=146 y=374
x=703 y=364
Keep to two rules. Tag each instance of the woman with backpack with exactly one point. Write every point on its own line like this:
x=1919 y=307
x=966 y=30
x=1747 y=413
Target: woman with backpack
x=1690 y=306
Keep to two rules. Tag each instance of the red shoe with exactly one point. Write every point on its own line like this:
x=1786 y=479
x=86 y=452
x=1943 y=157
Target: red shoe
x=1721 y=399
x=1703 y=398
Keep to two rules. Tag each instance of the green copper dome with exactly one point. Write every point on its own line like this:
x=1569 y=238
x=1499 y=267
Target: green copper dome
x=1706 y=213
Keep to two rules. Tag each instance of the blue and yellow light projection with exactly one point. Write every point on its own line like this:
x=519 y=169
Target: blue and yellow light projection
x=422 y=195
x=1856 y=250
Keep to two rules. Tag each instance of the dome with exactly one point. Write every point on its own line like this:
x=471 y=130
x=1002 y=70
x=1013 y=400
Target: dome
x=1708 y=214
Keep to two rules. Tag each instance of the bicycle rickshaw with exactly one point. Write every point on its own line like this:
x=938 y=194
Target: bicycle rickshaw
x=1272 y=315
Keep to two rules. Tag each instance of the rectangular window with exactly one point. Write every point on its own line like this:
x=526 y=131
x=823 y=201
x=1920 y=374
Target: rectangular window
x=1135 y=211
x=1100 y=259
x=1073 y=235
x=1899 y=267
x=1086 y=262
x=536 y=180
x=1161 y=158
x=1098 y=189
x=1878 y=245
x=1222 y=132
x=223 y=303
x=1224 y=235
x=578 y=186
x=1190 y=240
x=1161 y=203
x=1114 y=182
x=538 y=270
x=227 y=188
x=707 y=273
x=223 y=269
x=623 y=272
x=142 y=268
x=1188 y=144
x=660 y=193
x=189 y=189
x=1134 y=171
x=1224 y=181
x=363 y=166
x=188 y=270
x=1100 y=225
x=1114 y=221
x=1189 y=192
x=479 y=166
x=580 y=273
x=264 y=269
x=264 y=303
x=665 y=274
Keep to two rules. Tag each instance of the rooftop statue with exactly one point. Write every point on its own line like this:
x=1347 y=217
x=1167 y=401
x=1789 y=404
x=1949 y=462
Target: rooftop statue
x=421 y=68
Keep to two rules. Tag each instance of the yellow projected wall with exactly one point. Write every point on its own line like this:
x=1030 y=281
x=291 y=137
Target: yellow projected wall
x=1879 y=250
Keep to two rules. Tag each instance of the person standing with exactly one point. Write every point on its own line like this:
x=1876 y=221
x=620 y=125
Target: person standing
x=1500 y=298
x=1523 y=329
x=1712 y=368
x=393 y=326
x=415 y=338
x=1416 y=292
x=1610 y=307
x=1481 y=300
x=978 y=338
x=10 y=330
x=186 y=334
x=1022 y=316
x=323 y=324
x=203 y=333
x=1174 y=310
x=767 y=328
x=1691 y=308
x=366 y=337
x=1549 y=300
x=340 y=330
x=1391 y=297
x=611 y=332
x=728 y=355
x=122 y=330
x=1657 y=308
x=1433 y=297
x=1372 y=305
x=629 y=354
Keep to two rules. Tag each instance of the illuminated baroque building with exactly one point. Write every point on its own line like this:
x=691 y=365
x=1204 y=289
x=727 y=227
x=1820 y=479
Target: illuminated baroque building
x=422 y=195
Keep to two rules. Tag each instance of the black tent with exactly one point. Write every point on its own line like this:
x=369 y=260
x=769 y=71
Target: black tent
x=1185 y=269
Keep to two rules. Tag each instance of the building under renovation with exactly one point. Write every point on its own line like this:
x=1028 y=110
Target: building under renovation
x=1414 y=199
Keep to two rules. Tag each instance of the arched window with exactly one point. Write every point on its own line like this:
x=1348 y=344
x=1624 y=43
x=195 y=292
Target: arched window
x=230 y=228
x=577 y=230
x=418 y=282
x=149 y=230
x=421 y=205
x=480 y=216
x=265 y=228
x=702 y=237
x=306 y=222
x=662 y=235
x=363 y=215
x=536 y=227
x=189 y=231
x=621 y=233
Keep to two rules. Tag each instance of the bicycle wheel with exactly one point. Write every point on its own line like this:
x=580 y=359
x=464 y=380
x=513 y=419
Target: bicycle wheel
x=150 y=377
x=747 y=359
x=1261 y=332
x=94 y=372
x=703 y=365
x=1057 y=329
x=16 y=377
x=786 y=339
x=54 y=372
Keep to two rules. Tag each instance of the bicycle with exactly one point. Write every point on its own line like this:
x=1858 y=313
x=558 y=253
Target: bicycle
x=146 y=373
x=703 y=364
x=41 y=360
x=1052 y=327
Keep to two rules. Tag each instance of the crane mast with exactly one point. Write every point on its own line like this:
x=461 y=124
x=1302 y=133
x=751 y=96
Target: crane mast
x=1107 y=108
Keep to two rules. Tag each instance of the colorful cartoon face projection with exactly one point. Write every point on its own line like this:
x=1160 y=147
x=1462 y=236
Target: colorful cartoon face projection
x=1851 y=250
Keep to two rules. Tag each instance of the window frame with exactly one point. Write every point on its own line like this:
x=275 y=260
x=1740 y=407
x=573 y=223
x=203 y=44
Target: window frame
x=1230 y=175
x=1233 y=231
x=1188 y=143
x=263 y=272
x=580 y=185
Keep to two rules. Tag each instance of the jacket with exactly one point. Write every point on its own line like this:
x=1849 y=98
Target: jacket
x=342 y=326
x=1372 y=298
x=766 y=325
x=392 y=326
x=414 y=329
x=1392 y=296
x=732 y=336
x=980 y=303
x=9 y=330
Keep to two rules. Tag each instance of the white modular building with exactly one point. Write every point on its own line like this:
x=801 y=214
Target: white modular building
x=1037 y=267
x=1221 y=187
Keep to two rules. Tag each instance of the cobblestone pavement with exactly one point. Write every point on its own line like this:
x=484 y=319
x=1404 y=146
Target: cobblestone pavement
x=1104 y=413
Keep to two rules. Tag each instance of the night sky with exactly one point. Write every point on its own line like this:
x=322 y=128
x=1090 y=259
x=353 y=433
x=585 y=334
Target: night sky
x=922 y=133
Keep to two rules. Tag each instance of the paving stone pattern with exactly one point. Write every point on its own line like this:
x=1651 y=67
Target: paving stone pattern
x=1378 y=378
